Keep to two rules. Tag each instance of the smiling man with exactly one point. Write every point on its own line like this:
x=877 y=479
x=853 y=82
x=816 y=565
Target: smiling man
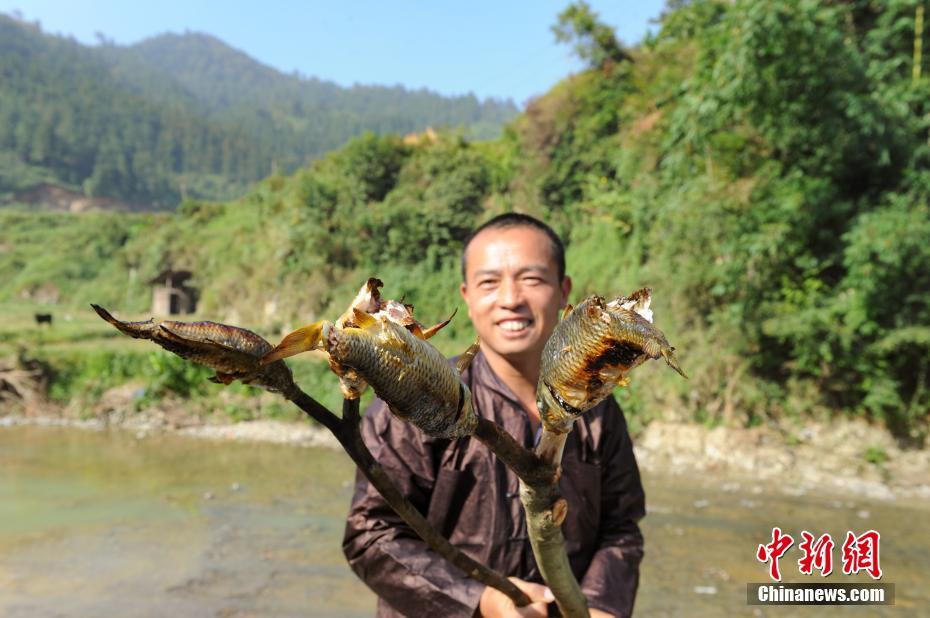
x=514 y=285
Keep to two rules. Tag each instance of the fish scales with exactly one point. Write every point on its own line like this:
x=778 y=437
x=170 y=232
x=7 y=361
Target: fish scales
x=410 y=375
x=589 y=354
x=223 y=334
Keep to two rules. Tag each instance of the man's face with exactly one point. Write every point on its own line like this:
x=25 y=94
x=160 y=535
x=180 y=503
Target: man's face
x=513 y=291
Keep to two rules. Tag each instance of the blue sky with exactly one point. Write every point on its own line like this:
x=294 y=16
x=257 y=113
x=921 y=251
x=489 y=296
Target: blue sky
x=500 y=49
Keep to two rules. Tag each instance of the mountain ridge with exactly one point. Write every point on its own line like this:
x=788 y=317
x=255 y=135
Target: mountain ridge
x=180 y=115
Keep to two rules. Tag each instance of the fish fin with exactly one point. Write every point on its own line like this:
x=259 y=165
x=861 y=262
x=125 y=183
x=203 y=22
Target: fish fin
x=464 y=361
x=672 y=361
x=566 y=311
x=432 y=330
x=301 y=340
x=222 y=378
x=362 y=320
x=416 y=330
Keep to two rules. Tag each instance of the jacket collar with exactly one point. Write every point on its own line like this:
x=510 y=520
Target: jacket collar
x=483 y=374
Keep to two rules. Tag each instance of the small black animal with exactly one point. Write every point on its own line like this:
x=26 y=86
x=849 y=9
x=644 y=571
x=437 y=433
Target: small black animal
x=44 y=318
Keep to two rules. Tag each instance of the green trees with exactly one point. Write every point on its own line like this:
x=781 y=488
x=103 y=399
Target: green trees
x=182 y=116
x=762 y=165
x=594 y=41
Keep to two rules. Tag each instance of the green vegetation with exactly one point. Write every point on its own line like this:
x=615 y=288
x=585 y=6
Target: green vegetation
x=875 y=455
x=184 y=116
x=762 y=166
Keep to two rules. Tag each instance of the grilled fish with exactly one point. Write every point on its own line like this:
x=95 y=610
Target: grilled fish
x=367 y=302
x=234 y=353
x=409 y=374
x=592 y=350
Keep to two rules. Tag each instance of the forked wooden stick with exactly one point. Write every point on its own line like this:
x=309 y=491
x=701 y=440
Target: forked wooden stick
x=346 y=431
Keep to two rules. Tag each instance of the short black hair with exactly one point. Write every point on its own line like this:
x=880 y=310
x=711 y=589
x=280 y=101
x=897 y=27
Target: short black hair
x=516 y=219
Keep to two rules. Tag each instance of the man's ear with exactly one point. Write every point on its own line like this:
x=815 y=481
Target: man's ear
x=462 y=290
x=566 y=289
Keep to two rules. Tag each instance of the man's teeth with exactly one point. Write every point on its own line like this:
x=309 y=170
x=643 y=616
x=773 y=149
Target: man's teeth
x=514 y=325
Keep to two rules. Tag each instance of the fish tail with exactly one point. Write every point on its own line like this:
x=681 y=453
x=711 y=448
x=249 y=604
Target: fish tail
x=301 y=340
x=138 y=330
x=106 y=315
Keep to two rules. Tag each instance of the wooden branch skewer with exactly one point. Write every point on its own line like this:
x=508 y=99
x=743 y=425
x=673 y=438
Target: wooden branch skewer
x=346 y=431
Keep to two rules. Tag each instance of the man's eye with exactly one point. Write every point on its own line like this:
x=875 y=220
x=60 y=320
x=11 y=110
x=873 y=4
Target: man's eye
x=486 y=283
x=532 y=280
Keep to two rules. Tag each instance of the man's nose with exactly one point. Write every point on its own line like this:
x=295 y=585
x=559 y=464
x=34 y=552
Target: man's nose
x=509 y=294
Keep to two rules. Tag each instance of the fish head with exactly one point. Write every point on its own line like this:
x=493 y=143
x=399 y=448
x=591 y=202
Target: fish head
x=668 y=353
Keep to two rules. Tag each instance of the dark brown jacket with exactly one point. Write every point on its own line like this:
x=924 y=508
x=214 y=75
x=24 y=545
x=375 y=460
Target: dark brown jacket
x=471 y=498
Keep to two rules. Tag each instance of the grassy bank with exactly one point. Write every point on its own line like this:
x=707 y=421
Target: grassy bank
x=83 y=359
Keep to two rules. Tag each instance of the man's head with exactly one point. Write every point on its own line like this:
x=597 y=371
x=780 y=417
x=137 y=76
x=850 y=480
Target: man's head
x=514 y=283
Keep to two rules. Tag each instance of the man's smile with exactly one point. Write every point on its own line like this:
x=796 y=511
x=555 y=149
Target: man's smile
x=514 y=326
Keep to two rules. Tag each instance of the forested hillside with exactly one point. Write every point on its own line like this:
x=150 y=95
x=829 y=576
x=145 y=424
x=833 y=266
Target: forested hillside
x=184 y=116
x=763 y=166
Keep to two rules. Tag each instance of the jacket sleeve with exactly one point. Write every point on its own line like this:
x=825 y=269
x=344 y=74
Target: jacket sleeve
x=382 y=550
x=612 y=578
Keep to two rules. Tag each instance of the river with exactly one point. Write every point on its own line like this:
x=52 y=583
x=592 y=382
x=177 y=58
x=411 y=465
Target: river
x=102 y=523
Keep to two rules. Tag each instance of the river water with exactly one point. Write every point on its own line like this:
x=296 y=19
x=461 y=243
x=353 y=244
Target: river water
x=102 y=523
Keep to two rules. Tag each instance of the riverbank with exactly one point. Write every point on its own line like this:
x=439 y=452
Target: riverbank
x=843 y=457
x=840 y=457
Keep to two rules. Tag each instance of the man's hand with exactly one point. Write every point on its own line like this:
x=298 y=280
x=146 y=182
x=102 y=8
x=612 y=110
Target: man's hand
x=495 y=604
